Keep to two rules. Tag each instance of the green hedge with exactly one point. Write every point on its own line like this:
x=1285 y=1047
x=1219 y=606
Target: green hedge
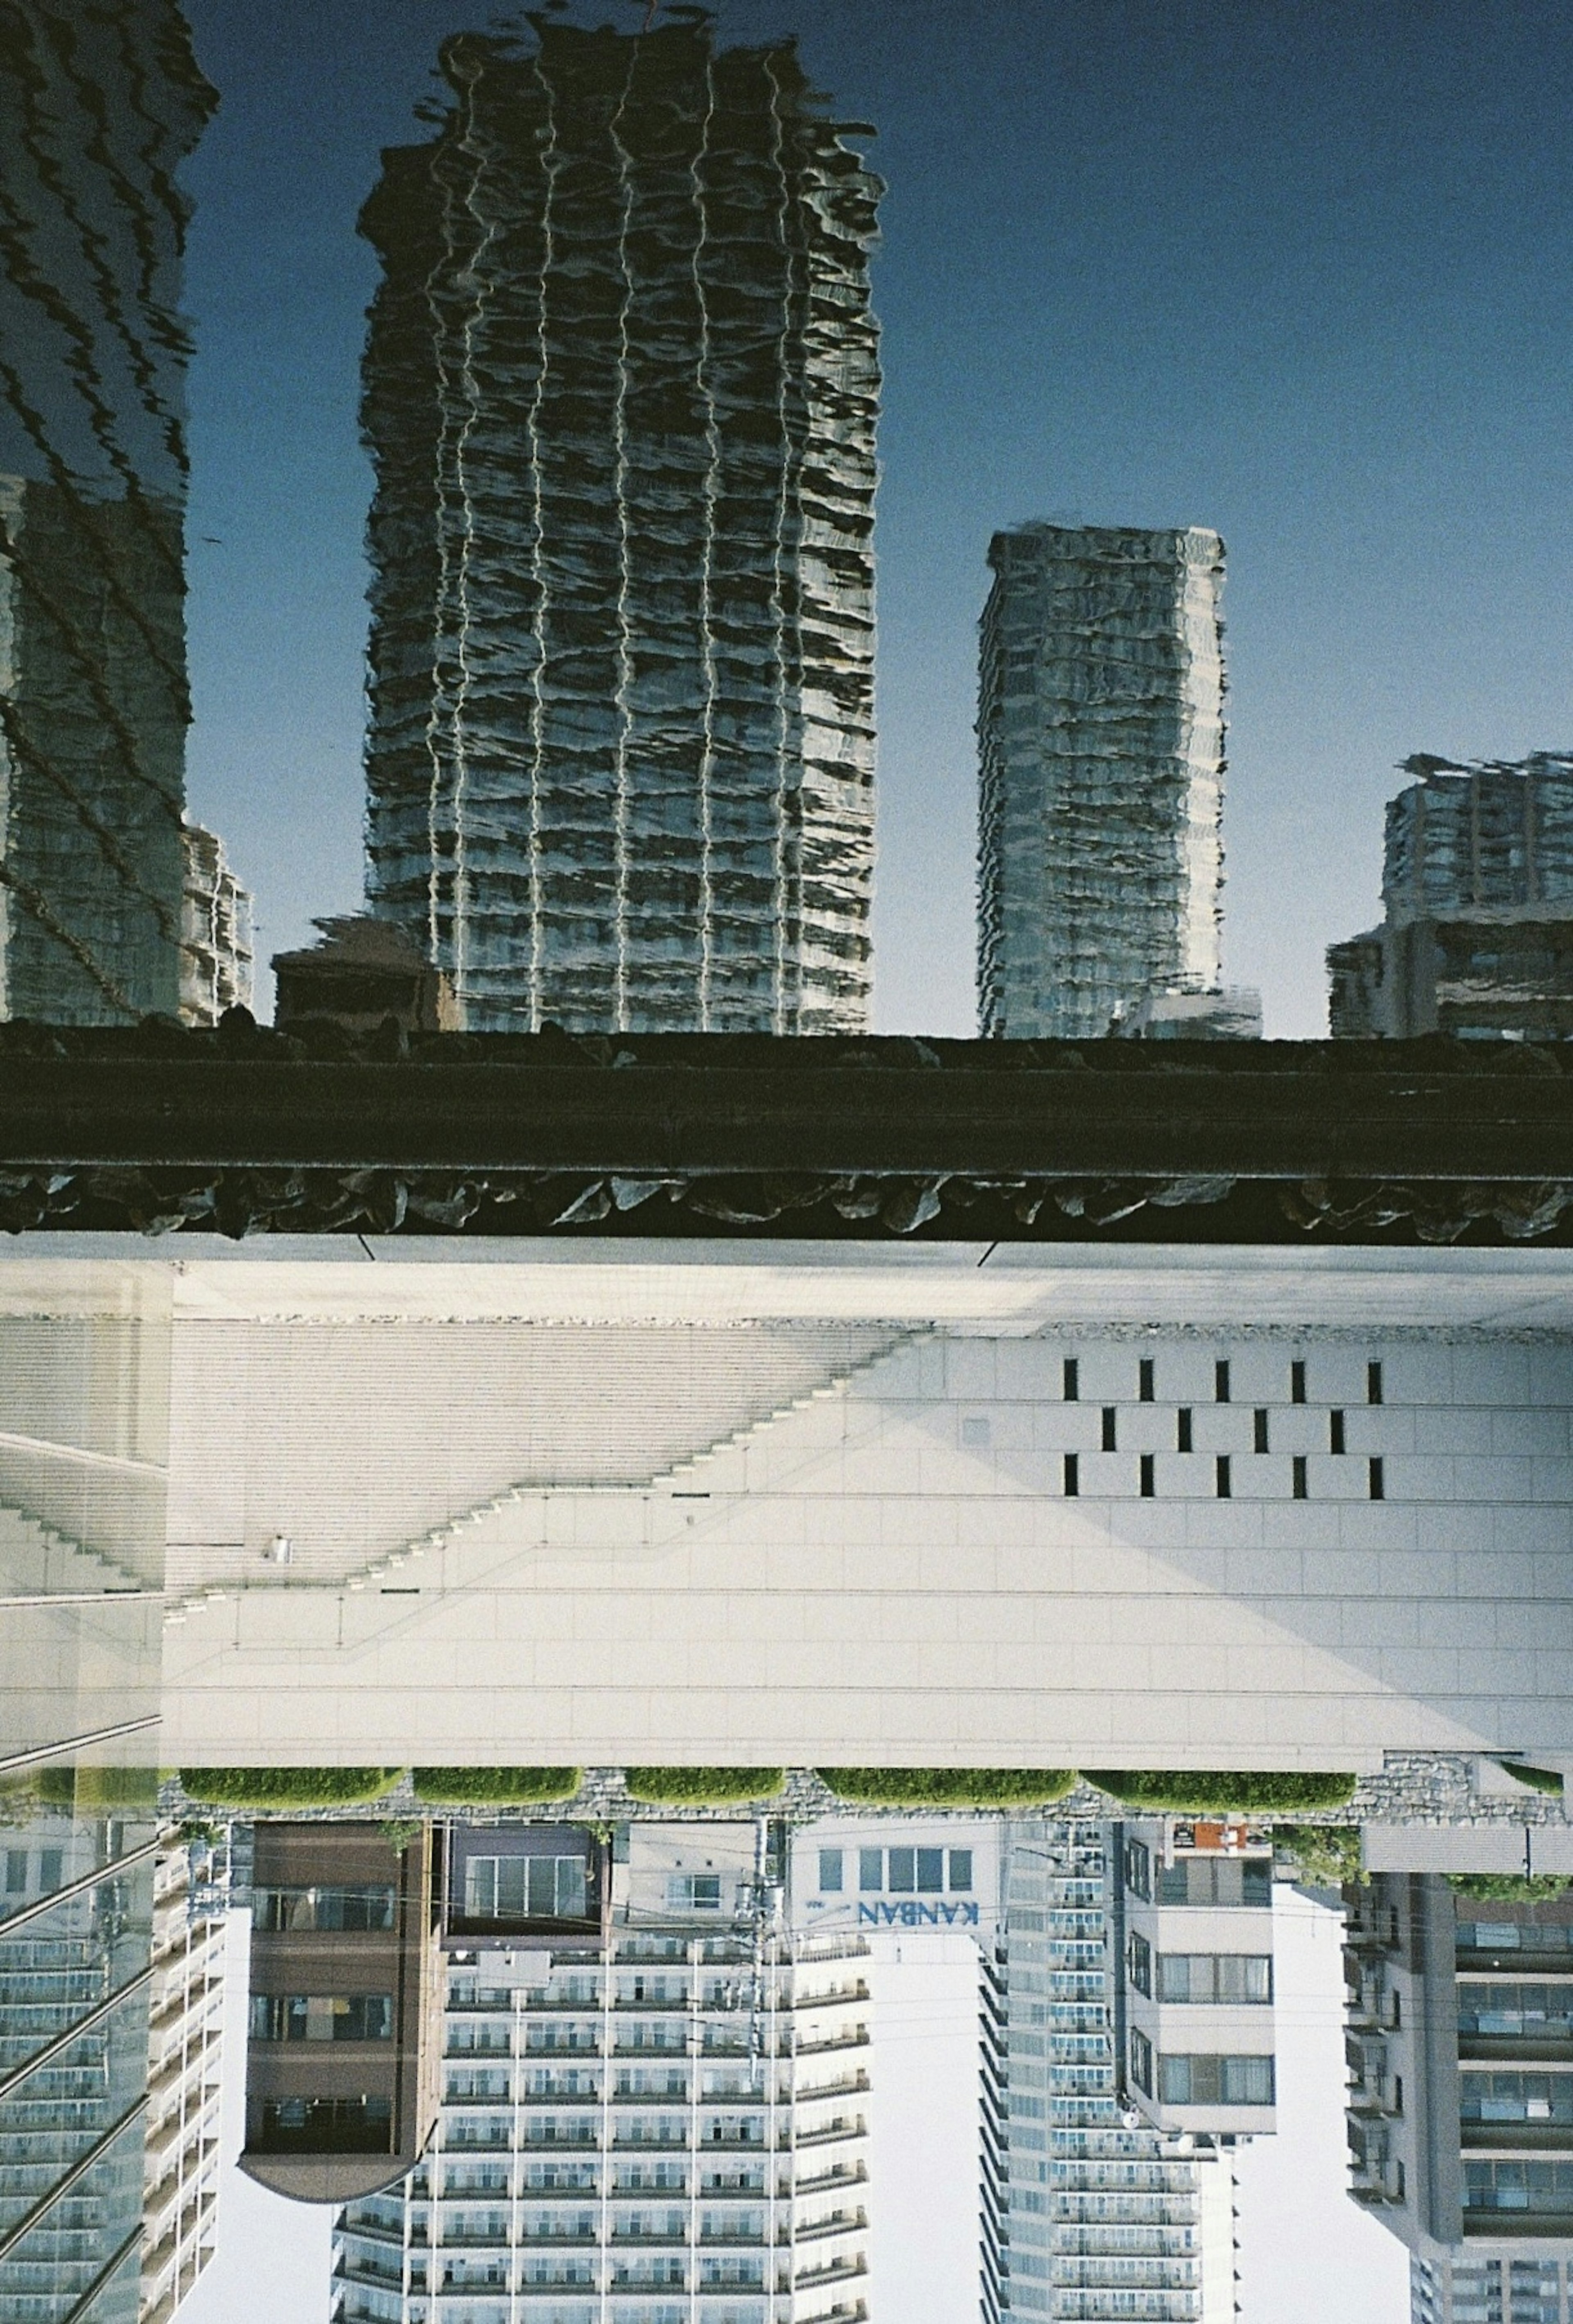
x=949 y=1787
x=1508 y=1888
x=1223 y=1792
x=89 y=1789
x=703 y=1787
x=1539 y=1779
x=502 y=1787
x=289 y=1788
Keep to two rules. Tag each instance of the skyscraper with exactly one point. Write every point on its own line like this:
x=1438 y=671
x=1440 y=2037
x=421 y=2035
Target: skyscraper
x=1477 y=938
x=98 y=107
x=1100 y=731
x=620 y=388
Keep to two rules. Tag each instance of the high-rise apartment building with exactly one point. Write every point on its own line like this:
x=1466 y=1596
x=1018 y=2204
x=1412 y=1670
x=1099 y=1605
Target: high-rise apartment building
x=97 y=108
x=180 y=2216
x=1477 y=938
x=217 y=956
x=1100 y=2215
x=620 y=390
x=1458 y=2036
x=1100 y=731
x=666 y=2126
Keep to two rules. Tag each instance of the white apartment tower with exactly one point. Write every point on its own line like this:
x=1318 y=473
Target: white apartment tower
x=1100 y=733
x=668 y=2127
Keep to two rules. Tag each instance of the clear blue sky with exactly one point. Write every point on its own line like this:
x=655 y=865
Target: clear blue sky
x=1297 y=269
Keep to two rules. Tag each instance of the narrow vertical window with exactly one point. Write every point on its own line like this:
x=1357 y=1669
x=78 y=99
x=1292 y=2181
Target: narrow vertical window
x=1377 y=1481
x=1335 y=1432
x=1297 y=1382
x=1221 y=1380
x=1072 y=1475
x=1072 y=1381
x=1149 y=1476
x=1225 y=1482
x=1111 y=1421
x=1182 y=1429
x=1374 y=1383
x=1302 y=1486
x=1260 y=1427
x=1147 y=1374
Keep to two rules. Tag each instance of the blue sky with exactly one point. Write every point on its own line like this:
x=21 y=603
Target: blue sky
x=1295 y=268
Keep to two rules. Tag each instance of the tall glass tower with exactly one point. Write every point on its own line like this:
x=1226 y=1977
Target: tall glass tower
x=98 y=107
x=619 y=390
x=1100 y=731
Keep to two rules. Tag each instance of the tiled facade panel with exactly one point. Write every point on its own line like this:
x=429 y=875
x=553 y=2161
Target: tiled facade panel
x=875 y=1573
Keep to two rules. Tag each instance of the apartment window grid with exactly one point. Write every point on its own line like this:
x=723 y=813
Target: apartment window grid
x=1234 y=1474
x=596 y=2191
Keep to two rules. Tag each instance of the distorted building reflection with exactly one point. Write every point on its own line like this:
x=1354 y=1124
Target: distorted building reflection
x=97 y=110
x=1459 y=2046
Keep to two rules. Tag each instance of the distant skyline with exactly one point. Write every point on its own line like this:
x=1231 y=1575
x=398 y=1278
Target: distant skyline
x=1297 y=272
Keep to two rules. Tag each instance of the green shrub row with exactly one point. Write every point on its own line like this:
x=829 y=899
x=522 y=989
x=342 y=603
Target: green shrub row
x=1326 y=1854
x=1539 y=1779
x=502 y=1787
x=1508 y=1888
x=703 y=1787
x=949 y=1787
x=1226 y=1791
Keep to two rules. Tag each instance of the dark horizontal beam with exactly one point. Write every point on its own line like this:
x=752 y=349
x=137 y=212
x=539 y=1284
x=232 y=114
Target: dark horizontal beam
x=773 y=1127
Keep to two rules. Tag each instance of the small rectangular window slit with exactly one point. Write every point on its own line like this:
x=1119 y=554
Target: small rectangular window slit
x=1111 y=1424
x=1336 y=1432
x=1071 y=1382
x=1374 y=1383
x=1225 y=1481
x=1221 y=1381
x=1183 y=1442
x=1149 y=1476
x=1260 y=1419
x=1297 y=1382
x=1072 y=1475
x=1378 y=1485
x=1302 y=1483
x=1147 y=1380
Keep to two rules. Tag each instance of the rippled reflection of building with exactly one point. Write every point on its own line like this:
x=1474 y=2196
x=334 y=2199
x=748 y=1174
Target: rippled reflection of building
x=1092 y=2211
x=110 y=2000
x=98 y=107
x=1458 y=2036
x=620 y=390
x=662 y=2116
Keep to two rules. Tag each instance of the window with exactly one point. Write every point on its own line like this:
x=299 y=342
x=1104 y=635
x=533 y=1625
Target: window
x=917 y=1871
x=1374 y=1383
x=1206 y=2080
x=1335 y=1432
x=1138 y=1868
x=1224 y=1477
x=362 y=2126
x=974 y=1429
x=1302 y=1478
x=50 y=1862
x=1111 y=1422
x=1377 y=1483
x=829 y=1871
x=694 y=1892
x=1297 y=1382
x=16 y=1871
x=1072 y=1476
x=1139 y=1962
x=1072 y=1381
x=321 y=2017
x=1149 y=1476
x=1142 y=2062
x=1183 y=1442
x=359 y=1908
x=1221 y=1381
x=870 y=1869
x=1259 y=1419
x=1232 y=1978
x=960 y=1868
x=525 y=1887
x=1216 y=1880
x=1147 y=1377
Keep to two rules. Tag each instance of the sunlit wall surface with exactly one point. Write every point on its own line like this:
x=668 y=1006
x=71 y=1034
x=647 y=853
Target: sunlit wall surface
x=96 y=109
x=620 y=390
x=1100 y=731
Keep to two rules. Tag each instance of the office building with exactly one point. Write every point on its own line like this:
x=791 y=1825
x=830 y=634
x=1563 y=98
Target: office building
x=619 y=392
x=1100 y=730
x=346 y=2000
x=75 y=2113
x=1477 y=937
x=1190 y=1960
x=904 y=1875
x=1089 y=2211
x=216 y=961
x=97 y=110
x=1459 y=2044
x=667 y=2122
